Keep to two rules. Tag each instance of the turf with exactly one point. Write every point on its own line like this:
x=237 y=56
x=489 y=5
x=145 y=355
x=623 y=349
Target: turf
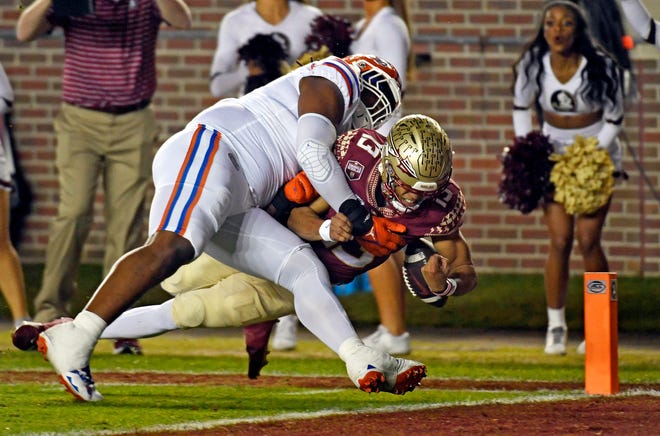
x=131 y=406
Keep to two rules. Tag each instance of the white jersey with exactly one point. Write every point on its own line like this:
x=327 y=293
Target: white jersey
x=385 y=36
x=238 y=153
x=564 y=98
x=273 y=109
x=228 y=75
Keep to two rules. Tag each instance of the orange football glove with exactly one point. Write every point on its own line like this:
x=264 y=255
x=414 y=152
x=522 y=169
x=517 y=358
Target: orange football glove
x=300 y=190
x=384 y=237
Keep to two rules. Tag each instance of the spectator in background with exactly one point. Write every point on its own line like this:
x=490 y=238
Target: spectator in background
x=641 y=21
x=384 y=31
x=12 y=284
x=289 y=18
x=105 y=126
x=562 y=64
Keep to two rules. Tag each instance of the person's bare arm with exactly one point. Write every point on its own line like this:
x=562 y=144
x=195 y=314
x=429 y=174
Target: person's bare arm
x=452 y=261
x=305 y=221
x=176 y=13
x=32 y=22
x=319 y=95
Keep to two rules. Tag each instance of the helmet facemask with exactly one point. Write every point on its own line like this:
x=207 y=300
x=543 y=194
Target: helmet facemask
x=380 y=94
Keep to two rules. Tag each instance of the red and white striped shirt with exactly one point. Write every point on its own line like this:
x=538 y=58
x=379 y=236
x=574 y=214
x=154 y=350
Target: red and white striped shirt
x=110 y=56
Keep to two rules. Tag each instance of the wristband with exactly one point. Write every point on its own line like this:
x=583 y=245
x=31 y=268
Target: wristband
x=324 y=231
x=452 y=285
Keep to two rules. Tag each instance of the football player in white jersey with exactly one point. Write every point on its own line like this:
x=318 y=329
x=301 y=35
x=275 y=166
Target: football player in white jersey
x=641 y=21
x=231 y=158
x=382 y=172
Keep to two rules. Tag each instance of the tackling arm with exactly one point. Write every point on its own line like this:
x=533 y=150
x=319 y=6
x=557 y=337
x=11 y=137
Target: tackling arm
x=320 y=111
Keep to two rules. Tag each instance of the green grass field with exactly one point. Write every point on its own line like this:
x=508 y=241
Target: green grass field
x=134 y=406
x=493 y=334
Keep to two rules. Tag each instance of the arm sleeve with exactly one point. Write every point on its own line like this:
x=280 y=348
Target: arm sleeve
x=524 y=93
x=227 y=73
x=641 y=21
x=315 y=137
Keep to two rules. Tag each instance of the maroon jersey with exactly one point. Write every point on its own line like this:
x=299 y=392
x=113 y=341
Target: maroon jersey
x=358 y=153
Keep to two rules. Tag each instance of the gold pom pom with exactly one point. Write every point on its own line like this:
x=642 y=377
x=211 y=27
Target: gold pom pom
x=583 y=176
x=309 y=56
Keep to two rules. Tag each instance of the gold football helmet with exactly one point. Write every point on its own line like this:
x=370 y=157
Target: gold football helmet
x=418 y=157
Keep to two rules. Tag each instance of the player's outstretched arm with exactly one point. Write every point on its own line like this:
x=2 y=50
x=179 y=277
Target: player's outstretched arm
x=452 y=262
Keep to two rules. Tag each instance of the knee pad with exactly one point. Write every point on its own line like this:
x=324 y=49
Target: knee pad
x=188 y=310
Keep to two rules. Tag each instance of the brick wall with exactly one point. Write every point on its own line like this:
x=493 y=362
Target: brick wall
x=465 y=86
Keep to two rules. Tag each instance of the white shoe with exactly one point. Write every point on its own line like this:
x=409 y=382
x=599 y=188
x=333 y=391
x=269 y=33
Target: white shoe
x=555 y=340
x=385 y=341
x=68 y=348
x=582 y=348
x=286 y=332
x=374 y=371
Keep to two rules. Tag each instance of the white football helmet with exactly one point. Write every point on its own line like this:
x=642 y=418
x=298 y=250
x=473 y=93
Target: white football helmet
x=381 y=91
x=417 y=156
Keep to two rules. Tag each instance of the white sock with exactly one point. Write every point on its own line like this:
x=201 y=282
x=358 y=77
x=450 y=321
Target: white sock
x=348 y=348
x=90 y=322
x=556 y=317
x=142 y=322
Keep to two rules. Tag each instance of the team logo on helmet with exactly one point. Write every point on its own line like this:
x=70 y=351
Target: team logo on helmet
x=417 y=157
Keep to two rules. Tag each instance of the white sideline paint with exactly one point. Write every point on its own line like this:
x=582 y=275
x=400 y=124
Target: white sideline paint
x=193 y=426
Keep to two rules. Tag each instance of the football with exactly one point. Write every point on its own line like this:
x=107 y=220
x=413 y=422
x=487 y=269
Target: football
x=416 y=255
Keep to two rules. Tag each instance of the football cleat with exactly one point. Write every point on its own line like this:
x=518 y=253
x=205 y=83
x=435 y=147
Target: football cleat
x=403 y=375
x=68 y=349
x=127 y=346
x=256 y=345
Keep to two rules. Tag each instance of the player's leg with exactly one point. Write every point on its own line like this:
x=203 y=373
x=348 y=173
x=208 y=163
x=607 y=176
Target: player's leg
x=194 y=191
x=256 y=243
